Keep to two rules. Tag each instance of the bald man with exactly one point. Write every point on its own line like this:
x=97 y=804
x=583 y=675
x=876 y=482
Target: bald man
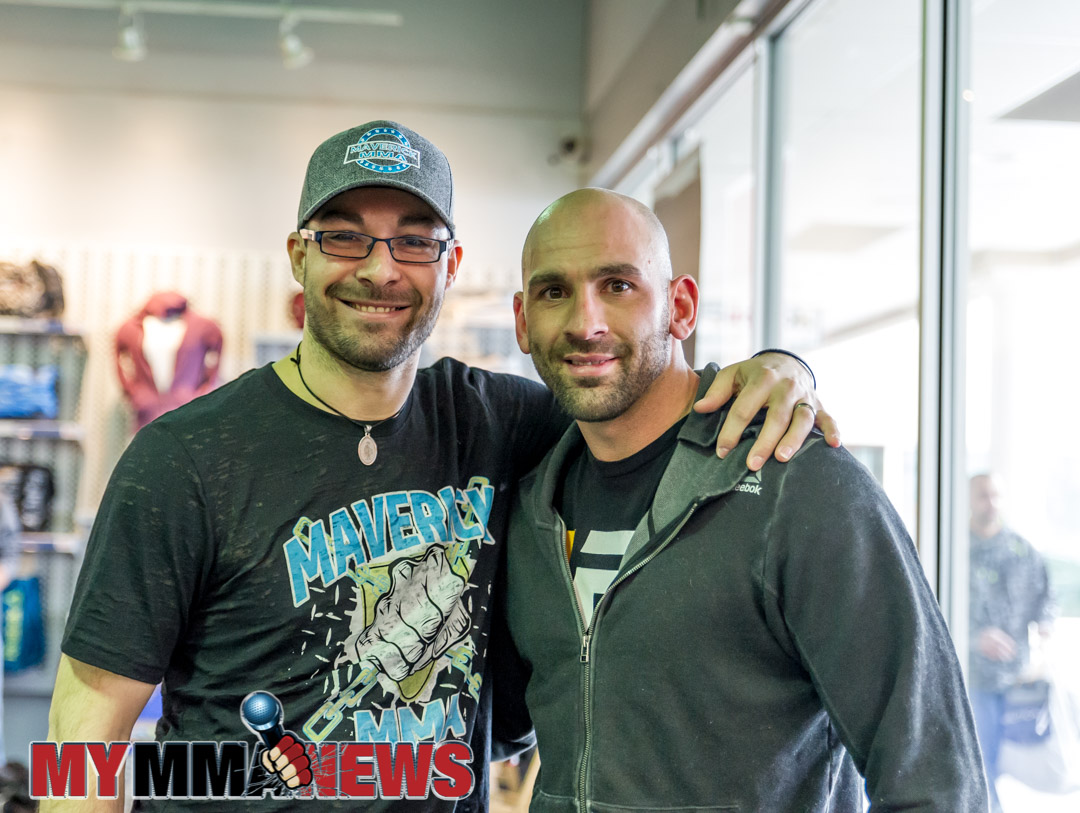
x=693 y=634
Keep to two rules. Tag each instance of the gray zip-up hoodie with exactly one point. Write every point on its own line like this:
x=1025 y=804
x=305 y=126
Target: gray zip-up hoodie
x=769 y=637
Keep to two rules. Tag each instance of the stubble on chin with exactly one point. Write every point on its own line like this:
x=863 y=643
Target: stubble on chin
x=586 y=399
x=370 y=348
x=597 y=399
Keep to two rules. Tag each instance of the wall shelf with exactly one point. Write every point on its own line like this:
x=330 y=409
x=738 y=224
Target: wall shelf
x=35 y=429
x=49 y=542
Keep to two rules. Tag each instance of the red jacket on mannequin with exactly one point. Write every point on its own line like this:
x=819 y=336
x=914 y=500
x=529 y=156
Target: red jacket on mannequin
x=166 y=355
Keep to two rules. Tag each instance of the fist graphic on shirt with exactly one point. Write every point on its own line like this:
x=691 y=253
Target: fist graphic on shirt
x=420 y=617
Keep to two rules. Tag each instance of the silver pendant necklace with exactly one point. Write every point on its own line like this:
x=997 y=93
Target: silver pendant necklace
x=367 y=449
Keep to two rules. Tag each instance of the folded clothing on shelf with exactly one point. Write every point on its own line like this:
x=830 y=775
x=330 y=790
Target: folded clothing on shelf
x=30 y=489
x=24 y=624
x=28 y=392
x=33 y=290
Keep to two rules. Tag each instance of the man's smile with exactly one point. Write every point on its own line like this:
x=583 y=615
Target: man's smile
x=589 y=364
x=376 y=308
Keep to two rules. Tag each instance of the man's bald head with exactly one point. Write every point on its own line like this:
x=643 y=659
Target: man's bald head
x=599 y=311
x=592 y=214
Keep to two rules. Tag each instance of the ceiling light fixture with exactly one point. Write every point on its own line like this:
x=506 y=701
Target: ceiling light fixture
x=248 y=9
x=131 y=45
x=131 y=41
x=294 y=54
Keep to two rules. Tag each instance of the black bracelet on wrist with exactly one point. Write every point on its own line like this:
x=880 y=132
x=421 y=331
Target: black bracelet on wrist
x=799 y=359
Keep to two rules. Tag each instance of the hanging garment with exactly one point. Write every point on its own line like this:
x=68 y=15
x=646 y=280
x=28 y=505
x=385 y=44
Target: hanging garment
x=166 y=330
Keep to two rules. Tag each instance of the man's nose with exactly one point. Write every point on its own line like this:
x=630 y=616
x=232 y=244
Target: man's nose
x=587 y=319
x=379 y=267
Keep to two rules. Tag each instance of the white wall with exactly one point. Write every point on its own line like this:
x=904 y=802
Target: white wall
x=615 y=30
x=124 y=169
x=635 y=50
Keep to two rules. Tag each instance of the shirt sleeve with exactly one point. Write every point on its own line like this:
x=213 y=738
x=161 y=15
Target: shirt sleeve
x=1047 y=607
x=845 y=590
x=527 y=413
x=145 y=561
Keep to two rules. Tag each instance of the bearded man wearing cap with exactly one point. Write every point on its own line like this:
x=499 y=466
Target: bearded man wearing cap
x=326 y=530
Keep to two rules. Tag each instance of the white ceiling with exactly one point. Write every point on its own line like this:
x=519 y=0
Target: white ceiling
x=1060 y=102
x=484 y=55
x=854 y=101
x=851 y=76
x=529 y=58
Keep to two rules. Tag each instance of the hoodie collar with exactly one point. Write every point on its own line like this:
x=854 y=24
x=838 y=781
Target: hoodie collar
x=683 y=481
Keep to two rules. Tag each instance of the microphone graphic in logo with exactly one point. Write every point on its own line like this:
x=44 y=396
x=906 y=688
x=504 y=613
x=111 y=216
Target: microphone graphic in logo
x=262 y=713
x=264 y=716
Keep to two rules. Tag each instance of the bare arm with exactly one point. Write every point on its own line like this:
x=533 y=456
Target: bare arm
x=92 y=705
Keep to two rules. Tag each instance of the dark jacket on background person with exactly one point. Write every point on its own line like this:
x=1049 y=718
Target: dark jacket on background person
x=1009 y=589
x=769 y=637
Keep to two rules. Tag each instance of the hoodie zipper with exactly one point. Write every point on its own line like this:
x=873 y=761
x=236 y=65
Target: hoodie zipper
x=585 y=638
x=588 y=632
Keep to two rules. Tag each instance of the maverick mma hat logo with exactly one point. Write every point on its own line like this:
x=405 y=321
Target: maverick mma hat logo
x=383 y=149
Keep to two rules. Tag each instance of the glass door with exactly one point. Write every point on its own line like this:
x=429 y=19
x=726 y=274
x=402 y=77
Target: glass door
x=1022 y=342
x=845 y=221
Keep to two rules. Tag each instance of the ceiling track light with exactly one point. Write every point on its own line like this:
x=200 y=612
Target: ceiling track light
x=294 y=54
x=224 y=8
x=131 y=40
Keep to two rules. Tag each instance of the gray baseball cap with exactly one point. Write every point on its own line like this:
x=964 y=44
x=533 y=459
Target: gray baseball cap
x=379 y=153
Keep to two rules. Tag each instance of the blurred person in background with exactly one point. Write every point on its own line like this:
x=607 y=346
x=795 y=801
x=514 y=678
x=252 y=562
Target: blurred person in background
x=1010 y=591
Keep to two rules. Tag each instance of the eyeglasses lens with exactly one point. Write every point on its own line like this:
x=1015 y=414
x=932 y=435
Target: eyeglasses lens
x=356 y=245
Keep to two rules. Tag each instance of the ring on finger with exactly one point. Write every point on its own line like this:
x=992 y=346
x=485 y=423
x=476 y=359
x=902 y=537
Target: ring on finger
x=804 y=404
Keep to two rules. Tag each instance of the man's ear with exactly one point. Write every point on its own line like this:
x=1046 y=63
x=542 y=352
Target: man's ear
x=683 y=302
x=519 y=322
x=453 y=263
x=297 y=248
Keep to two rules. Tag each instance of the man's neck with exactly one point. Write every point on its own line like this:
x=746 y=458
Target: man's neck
x=667 y=400
x=987 y=530
x=359 y=394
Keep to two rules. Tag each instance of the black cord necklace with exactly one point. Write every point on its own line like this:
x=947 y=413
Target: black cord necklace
x=367 y=450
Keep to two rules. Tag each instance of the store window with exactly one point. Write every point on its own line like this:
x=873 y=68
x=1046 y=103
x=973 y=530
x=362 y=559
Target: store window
x=726 y=330
x=845 y=251
x=1021 y=342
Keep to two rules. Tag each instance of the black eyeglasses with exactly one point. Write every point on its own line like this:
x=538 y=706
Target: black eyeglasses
x=357 y=246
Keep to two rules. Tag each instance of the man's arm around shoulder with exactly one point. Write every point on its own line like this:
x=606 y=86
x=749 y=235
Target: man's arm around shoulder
x=92 y=705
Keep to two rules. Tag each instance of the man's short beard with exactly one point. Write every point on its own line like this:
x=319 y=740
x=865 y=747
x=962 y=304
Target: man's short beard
x=639 y=368
x=368 y=350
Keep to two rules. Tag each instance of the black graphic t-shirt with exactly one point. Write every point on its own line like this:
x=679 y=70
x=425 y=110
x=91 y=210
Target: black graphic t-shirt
x=601 y=503
x=242 y=546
